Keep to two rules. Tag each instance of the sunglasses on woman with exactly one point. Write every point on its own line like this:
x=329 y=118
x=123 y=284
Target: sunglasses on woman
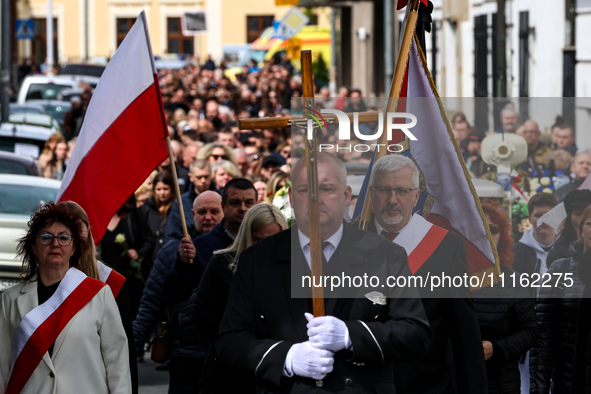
x=218 y=157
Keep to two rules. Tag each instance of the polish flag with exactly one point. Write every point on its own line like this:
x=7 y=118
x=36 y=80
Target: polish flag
x=123 y=137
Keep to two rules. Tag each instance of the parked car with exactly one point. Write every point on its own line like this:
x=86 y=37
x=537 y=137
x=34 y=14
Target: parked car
x=42 y=120
x=12 y=163
x=20 y=196
x=94 y=70
x=26 y=108
x=54 y=108
x=43 y=87
x=23 y=139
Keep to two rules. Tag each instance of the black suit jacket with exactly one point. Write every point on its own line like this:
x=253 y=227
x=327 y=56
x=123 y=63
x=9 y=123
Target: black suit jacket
x=457 y=344
x=262 y=320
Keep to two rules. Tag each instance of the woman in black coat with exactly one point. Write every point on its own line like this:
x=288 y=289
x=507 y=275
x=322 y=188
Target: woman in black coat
x=581 y=382
x=552 y=361
x=506 y=315
x=261 y=221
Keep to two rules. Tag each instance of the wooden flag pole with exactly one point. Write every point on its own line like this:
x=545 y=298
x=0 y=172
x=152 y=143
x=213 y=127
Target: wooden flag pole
x=395 y=90
x=177 y=189
x=313 y=201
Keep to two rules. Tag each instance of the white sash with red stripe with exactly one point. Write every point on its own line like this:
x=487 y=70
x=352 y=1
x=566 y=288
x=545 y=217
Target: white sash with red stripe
x=111 y=277
x=419 y=238
x=42 y=325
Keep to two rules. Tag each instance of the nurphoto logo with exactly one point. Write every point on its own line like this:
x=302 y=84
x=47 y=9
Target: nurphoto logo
x=392 y=119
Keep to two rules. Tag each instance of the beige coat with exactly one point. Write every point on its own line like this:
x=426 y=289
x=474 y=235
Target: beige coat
x=89 y=356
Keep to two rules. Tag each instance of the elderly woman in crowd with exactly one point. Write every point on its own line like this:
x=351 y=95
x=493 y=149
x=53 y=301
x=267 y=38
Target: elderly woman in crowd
x=260 y=221
x=223 y=171
x=60 y=330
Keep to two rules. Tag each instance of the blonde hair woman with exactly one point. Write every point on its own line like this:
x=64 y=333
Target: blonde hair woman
x=222 y=172
x=278 y=180
x=260 y=221
x=215 y=151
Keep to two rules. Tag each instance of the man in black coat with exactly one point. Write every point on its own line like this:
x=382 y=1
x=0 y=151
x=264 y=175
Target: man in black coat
x=269 y=330
x=432 y=251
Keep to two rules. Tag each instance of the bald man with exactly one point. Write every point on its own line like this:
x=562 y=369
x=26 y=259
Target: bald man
x=187 y=350
x=207 y=211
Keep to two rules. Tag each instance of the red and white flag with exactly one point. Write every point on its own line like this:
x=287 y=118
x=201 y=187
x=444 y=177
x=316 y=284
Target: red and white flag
x=123 y=137
x=450 y=200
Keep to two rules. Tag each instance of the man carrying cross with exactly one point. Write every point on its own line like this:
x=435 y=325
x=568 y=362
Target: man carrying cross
x=270 y=331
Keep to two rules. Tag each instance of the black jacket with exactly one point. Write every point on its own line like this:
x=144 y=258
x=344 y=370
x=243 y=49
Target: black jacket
x=455 y=357
x=210 y=304
x=560 y=249
x=507 y=319
x=263 y=320
x=581 y=382
x=557 y=310
x=153 y=307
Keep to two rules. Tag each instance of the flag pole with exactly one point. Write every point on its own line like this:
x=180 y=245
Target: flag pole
x=395 y=90
x=165 y=129
x=313 y=201
x=177 y=190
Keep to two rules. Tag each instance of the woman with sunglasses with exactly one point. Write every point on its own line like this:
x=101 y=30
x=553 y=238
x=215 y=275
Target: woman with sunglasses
x=216 y=151
x=506 y=315
x=60 y=330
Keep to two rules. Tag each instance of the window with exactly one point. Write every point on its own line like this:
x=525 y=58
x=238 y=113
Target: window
x=40 y=39
x=177 y=42
x=255 y=26
x=480 y=56
x=524 y=54
x=123 y=26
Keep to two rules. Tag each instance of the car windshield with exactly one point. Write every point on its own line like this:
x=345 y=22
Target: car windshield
x=46 y=91
x=57 y=112
x=24 y=199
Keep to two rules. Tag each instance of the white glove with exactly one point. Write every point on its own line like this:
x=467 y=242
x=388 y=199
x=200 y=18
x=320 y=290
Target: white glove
x=328 y=332
x=308 y=361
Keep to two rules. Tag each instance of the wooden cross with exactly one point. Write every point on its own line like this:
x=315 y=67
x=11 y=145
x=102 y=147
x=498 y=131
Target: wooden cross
x=312 y=172
x=312 y=146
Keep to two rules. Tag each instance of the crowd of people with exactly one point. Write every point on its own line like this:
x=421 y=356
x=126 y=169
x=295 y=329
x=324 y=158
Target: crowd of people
x=224 y=291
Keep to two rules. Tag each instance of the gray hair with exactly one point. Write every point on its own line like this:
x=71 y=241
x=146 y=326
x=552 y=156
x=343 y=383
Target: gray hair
x=227 y=166
x=394 y=162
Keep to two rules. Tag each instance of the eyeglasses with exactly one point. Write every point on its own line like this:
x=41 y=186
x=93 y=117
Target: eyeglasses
x=218 y=157
x=62 y=239
x=384 y=191
x=253 y=156
x=494 y=229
